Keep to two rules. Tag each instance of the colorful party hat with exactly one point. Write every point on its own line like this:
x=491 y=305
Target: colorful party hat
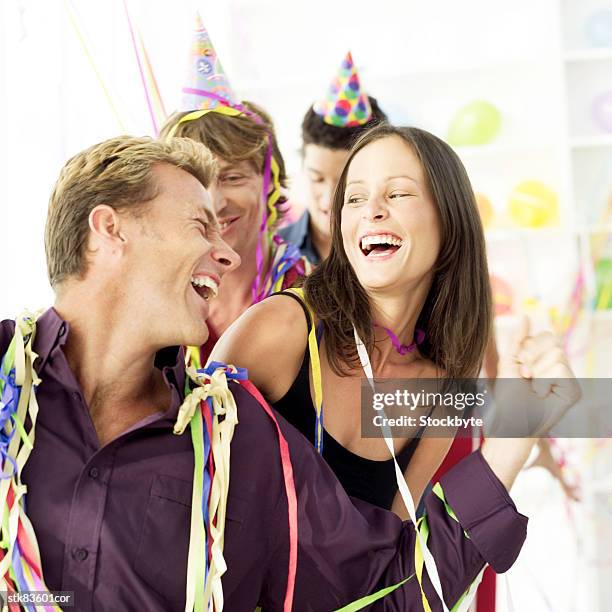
x=345 y=105
x=207 y=84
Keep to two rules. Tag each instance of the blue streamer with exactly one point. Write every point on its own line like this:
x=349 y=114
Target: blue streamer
x=8 y=407
x=239 y=374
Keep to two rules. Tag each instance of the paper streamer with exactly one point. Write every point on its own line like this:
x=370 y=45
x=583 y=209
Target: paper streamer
x=151 y=91
x=81 y=39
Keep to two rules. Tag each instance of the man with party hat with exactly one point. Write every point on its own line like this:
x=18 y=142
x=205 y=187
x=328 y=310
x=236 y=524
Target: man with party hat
x=248 y=193
x=329 y=128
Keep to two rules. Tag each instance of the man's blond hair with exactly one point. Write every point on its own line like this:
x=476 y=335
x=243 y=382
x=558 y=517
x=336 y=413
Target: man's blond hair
x=119 y=173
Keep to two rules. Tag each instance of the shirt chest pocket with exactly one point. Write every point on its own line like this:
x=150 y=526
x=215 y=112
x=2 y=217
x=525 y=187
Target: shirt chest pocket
x=161 y=559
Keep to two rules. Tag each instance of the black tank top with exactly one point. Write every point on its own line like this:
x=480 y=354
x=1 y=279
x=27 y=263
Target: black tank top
x=367 y=479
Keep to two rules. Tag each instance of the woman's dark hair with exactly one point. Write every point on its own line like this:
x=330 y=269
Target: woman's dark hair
x=457 y=314
x=316 y=131
x=234 y=139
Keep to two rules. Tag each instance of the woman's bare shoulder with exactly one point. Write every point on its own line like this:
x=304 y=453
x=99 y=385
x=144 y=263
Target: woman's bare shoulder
x=269 y=340
x=272 y=319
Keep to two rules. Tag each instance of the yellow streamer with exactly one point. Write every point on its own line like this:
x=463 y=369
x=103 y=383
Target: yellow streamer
x=92 y=64
x=315 y=364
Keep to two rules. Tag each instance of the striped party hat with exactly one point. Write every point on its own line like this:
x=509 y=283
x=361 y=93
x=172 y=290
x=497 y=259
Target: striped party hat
x=207 y=85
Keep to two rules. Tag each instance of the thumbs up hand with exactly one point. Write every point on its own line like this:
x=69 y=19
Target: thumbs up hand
x=535 y=388
x=537 y=384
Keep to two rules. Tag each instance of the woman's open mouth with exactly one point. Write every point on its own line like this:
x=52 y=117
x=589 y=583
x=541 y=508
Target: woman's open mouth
x=380 y=245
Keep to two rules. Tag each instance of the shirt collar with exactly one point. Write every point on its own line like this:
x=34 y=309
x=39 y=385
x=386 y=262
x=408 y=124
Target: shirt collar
x=50 y=328
x=307 y=246
x=301 y=227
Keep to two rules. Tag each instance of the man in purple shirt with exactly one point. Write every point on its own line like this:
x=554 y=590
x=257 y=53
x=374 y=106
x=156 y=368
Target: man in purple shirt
x=134 y=255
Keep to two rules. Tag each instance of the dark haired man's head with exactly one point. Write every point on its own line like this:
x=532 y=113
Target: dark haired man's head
x=325 y=149
x=316 y=131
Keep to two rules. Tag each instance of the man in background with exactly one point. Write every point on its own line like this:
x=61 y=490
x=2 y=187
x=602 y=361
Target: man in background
x=329 y=128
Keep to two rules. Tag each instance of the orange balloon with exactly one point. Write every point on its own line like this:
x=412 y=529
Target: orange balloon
x=502 y=295
x=485 y=208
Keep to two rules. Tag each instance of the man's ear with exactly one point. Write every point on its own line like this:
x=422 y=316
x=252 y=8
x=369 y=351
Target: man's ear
x=105 y=225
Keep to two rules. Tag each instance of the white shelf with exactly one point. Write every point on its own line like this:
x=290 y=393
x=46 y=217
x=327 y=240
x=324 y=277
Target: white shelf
x=601 y=316
x=520 y=233
x=604 y=228
x=504 y=149
x=594 y=142
x=589 y=55
x=418 y=70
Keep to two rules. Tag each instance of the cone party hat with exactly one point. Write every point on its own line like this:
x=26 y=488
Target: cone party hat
x=207 y=85
x=345 y=104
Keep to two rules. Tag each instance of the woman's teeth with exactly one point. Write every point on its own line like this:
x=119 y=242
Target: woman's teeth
x=369 y=242
x=210 y=286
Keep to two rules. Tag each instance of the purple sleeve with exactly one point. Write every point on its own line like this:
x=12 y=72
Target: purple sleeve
x=349 y=549
x=7 y=329
x=486 y=513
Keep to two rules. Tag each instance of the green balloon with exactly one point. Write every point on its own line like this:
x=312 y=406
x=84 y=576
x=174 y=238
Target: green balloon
x=603 y=275
x=477 y=123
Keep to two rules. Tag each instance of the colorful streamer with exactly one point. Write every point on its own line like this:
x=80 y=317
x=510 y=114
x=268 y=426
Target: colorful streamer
x=201 y=410
x=160 y=109
x=152 y=94
x=286 y=257
x=20 y=565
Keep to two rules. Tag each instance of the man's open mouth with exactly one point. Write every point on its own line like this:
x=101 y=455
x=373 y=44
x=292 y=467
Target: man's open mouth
x=205 y=286
x=380 y=244
x=227 y=222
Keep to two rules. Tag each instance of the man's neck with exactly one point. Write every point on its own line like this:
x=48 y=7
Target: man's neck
x=236 y=291
x=112 y=360
x=320 y=241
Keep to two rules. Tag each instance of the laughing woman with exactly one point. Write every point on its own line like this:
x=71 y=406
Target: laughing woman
x=407 y=274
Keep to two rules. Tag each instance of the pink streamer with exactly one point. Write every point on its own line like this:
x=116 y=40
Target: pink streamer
x=142 y=76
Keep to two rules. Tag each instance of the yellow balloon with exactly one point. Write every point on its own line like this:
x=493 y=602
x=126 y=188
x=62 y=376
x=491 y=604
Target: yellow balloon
x=533 y=204
x=485 y=208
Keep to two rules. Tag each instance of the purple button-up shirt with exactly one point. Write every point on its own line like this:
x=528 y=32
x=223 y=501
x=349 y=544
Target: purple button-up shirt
x=112 y=522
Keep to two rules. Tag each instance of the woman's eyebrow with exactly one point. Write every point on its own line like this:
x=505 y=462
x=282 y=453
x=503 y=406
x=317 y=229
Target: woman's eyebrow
x=387 y=178
x=402 y=176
